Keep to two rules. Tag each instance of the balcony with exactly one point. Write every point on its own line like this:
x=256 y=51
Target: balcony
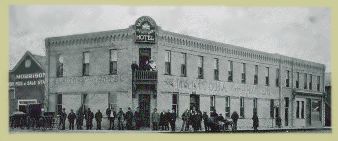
x=145 y=77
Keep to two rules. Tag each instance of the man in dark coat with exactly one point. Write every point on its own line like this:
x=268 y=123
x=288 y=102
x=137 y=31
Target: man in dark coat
x=166 y=120
x=279 y=121
x=138 y=120
x=194 y=119
x=71 y=118
x=79 y=120
x=111 y=114
x=200 y=117
x=120 y=118
x=255 y=121
x=173 y=120
x=129 y=119
x=63 y=117
x=98 y=118
x=89 y=119
x=161 y=123
x=205 y=121
x=234 y=117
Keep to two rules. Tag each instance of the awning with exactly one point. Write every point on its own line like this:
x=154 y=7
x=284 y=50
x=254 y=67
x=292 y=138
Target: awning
x=307 y=93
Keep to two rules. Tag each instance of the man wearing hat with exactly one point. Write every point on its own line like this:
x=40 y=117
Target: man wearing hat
x=63 y=117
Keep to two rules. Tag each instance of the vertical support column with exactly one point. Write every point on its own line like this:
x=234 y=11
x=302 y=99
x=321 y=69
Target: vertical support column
x=292 y=97
x=47 y=73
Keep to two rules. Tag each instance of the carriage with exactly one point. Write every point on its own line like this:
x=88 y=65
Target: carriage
x=34 y=118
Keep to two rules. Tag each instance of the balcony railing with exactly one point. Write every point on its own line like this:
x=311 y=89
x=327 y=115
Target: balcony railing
x=142 y=75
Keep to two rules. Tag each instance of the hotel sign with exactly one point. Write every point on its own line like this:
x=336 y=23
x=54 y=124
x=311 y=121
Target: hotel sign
x=145 y=28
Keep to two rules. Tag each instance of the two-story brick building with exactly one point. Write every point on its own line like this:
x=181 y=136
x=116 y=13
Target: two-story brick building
x=94 y=70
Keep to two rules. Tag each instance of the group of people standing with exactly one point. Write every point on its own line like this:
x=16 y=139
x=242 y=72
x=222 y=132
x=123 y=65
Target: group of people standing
x=87 y=115
x=160 y=121
x=163 y=120
x=124 y=120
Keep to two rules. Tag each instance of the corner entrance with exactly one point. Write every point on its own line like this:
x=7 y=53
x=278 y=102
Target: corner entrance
x=144 y=106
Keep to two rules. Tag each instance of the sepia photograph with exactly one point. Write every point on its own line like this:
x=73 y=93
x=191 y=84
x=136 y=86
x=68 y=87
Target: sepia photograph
x=169 y=69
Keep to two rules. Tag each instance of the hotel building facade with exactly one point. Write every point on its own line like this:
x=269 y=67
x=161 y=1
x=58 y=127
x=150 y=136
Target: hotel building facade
x=94 y=70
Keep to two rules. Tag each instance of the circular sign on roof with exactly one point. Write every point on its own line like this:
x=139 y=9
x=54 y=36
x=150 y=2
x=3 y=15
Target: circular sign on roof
x=145 y=29
x=28 y=63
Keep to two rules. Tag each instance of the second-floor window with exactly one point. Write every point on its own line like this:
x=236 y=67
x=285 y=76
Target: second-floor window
x=184 y=65
x=305 y=81
x=243 y=73
x=230 y=71
x=310 y=83
x=256 y=75
x=59 y=66
x=318 y=83
x=267 y=76
x=216 y=72
x=287 y=81
x=200 y=67
x=277 y=77
x=85 y=66
x=113 y=62
x=167 y=59
x=297 y=80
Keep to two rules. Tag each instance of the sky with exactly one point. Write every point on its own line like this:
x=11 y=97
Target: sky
x=298 y=32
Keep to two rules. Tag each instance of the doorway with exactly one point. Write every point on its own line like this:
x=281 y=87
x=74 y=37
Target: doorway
x=194 y=101
x=144 y=56
x=144 y=106
x=308 y=112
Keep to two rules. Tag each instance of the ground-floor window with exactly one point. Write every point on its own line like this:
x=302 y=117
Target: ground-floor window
x=84 y=102
x=300 y=109
x=212 y=102
x=59 y=104
x=255 y=105
x=286 y=114
x=272 y=108
x=227 y=106
x=241 y=113
x=175 y=103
